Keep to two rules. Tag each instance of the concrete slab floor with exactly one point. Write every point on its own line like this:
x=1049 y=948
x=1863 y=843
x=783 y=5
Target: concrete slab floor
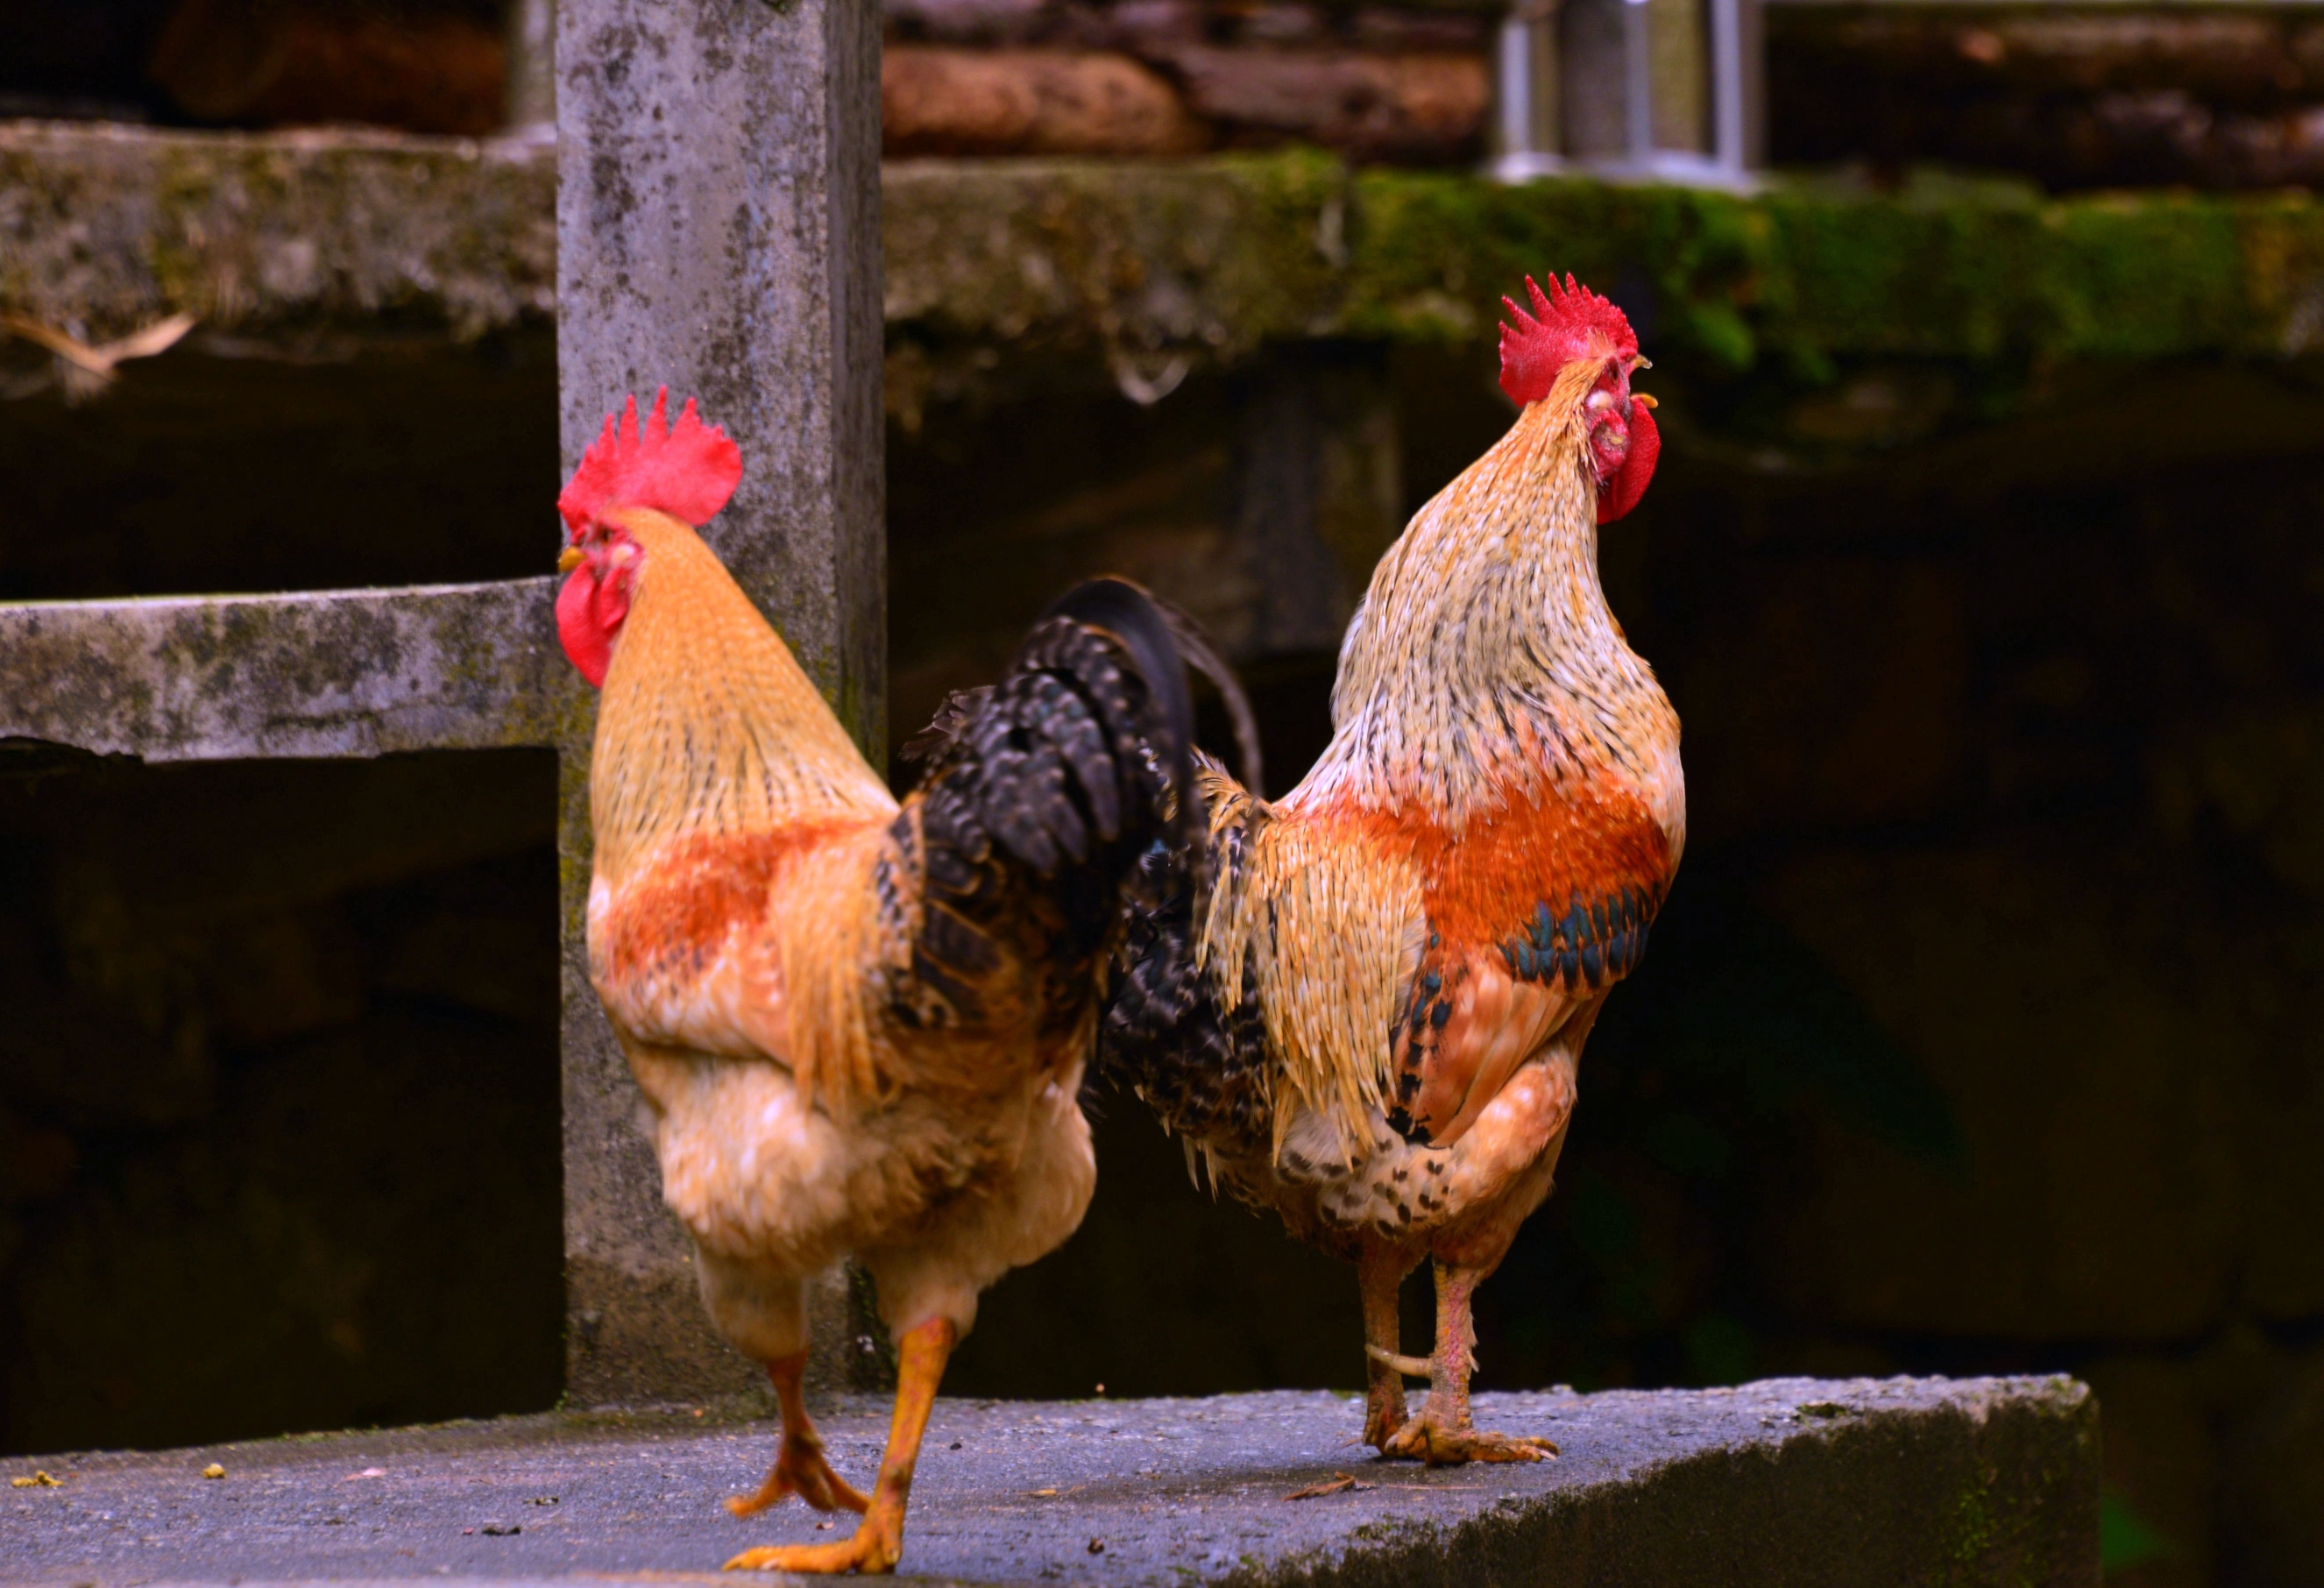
x=1791 y=1481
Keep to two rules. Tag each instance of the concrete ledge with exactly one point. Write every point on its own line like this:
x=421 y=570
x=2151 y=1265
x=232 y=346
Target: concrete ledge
x=1793 y=1481
x=295 y=242
x=305 y=232
x=347 y=672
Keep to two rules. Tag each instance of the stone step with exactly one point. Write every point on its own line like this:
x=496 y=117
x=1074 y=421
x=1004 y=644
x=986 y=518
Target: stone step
x=1797 y=1481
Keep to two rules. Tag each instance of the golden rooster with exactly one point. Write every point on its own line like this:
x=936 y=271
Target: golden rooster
x=860 y=1027
x=1368 y=1017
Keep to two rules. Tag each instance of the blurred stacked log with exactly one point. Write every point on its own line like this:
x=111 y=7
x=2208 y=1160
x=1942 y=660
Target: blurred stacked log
x=1170 y=76
x=2074 y=98
x=419 y=67
x=1406 y=84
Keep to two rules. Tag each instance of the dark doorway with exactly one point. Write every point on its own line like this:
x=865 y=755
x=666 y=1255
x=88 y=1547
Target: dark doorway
x=278 y=1096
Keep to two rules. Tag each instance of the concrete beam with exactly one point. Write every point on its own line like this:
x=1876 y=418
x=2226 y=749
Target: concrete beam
x=1795 y=1482
x=310 y=237
x=718 y=233
x=299 y=243
x=336 y=673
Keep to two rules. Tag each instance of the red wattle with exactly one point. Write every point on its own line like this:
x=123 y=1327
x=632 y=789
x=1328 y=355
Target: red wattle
x=588 y=645
x=1621 y=493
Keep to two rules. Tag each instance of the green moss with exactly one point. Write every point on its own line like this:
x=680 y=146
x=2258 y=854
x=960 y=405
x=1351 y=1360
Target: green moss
x=864 y=718
x=1971 y=1530
x=1984 y=272
x=1217 y=257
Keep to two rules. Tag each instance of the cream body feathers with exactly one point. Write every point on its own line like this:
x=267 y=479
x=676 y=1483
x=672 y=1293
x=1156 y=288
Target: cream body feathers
x=738 y=938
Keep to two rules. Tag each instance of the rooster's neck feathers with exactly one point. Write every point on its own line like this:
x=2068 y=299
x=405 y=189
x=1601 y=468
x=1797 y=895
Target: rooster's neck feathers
x=708 y=725
x=1484 y=657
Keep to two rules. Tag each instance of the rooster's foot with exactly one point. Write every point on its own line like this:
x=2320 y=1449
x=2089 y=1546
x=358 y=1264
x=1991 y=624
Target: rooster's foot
x=1423 y=1440
x=1383 y=1416
x=875 y=1550
x=802 y=1470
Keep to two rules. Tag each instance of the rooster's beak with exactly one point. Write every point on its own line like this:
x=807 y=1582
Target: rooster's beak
x=569 y=559
x=1642 y=401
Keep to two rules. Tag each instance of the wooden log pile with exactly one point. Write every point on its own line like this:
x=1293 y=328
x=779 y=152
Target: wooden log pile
x=419 y=67
x=1397 y=81
x=1172 y=77
x=2074 y=98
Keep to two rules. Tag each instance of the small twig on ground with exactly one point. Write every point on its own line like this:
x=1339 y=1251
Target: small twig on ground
x=1338 y=1482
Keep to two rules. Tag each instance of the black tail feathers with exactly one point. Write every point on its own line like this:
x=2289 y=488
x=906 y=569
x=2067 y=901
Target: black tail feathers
x=1075 y=764
x=1137 y=625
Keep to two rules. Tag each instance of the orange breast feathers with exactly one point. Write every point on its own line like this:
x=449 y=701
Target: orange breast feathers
x=746 y=945
x=1533 y=911
x=1577 y=838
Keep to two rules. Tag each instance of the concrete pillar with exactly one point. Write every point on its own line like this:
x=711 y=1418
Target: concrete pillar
x=1618 y=57
x=717 y=231
x=531 y=63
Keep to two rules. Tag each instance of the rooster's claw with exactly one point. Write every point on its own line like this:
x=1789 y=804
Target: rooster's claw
x=873 y=1550
x=801 y=1469
x=1424 y=1441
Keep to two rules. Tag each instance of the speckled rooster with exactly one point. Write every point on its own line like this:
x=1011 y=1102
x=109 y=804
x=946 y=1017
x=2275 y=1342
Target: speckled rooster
x=860 y=1027
x=1369 y=1017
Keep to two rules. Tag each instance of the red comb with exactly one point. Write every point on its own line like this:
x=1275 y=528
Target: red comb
x=1567 y=323
x=686 y=470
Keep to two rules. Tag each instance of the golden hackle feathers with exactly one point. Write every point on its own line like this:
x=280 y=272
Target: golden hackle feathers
x=1330 y=929
x=1483 y=634
x=826 y=930
x=707 y=724
x=711 y=740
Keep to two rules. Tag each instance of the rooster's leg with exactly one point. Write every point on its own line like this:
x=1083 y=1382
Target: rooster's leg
x=1380 y=1276
x=1443 y=1433
x=879 y=1540
x=799 y=1466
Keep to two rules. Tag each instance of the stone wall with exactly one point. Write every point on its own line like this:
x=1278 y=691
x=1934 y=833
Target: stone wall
x=278 y=1096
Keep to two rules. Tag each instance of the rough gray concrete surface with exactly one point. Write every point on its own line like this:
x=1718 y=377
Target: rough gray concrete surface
x=300 y=242
x=108 y=228
x=350 y=672
x=1800 y=1482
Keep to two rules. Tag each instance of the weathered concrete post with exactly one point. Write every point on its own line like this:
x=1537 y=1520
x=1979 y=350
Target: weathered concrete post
x=719 y=231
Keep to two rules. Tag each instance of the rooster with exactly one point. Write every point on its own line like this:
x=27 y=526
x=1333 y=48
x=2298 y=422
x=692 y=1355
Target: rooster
x=1369 y=1017
x=860 y=1027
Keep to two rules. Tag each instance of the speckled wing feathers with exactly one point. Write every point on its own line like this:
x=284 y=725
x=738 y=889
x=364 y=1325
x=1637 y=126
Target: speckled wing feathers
x=1196 y=1056
x=1595 y=943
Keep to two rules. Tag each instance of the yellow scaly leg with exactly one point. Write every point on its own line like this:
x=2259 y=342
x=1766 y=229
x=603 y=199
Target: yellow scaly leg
x=879 y=1540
